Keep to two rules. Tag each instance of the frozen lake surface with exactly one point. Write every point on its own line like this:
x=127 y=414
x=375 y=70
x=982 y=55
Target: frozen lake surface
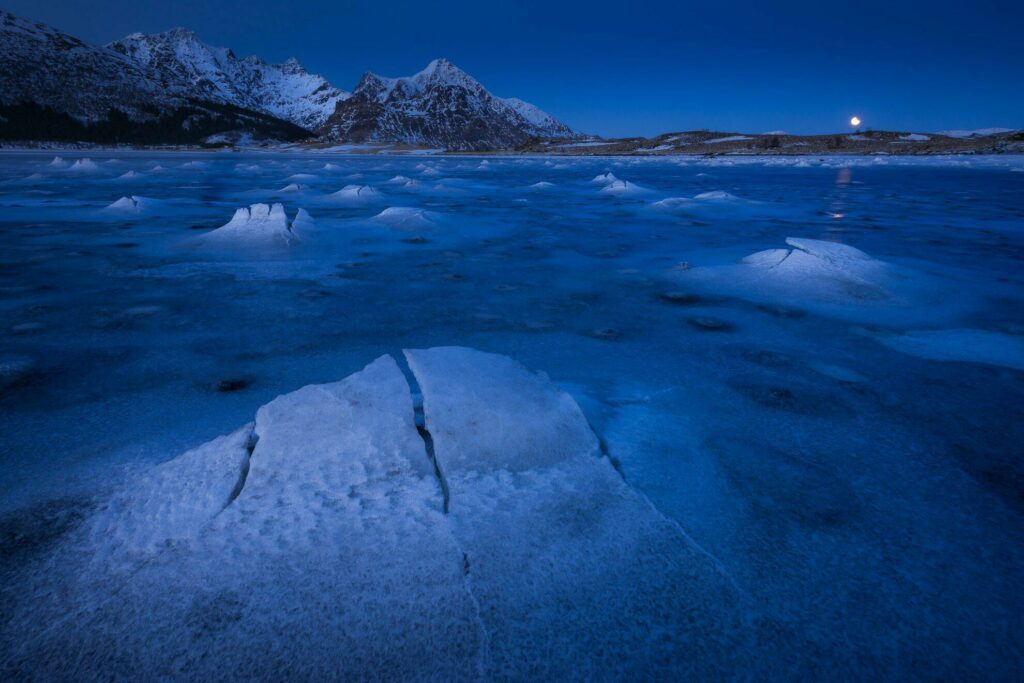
x=809 y=374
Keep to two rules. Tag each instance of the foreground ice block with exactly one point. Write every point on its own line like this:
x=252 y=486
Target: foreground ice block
x=327 y=552
x=574 y=571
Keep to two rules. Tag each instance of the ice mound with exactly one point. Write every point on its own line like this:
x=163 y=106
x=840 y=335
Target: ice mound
x=132 y=204
x=715 y=199
x=355 y=195
x=129 y=175
x=58 y=162
x=260 y=224
x=624 y=188
x=966 y=345
x=321 y=528
x=84 y=165
x=542 y=185
x=399 y=180
x=295 y=177
x=604 y=179
x=293 y=187
x=406 y=218
x=833 y=278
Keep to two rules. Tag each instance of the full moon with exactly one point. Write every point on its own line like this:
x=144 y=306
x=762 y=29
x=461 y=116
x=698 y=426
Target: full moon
x=855 y=121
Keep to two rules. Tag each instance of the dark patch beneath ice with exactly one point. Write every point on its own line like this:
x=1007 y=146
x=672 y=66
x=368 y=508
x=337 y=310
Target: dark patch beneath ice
x=28 y=531
x=800 y=399
x=783 y=486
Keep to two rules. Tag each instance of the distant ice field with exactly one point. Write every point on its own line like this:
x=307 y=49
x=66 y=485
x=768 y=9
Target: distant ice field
x=809 y=372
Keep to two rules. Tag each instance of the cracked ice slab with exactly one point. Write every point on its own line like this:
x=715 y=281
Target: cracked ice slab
x=335 y=558
x=573 y=570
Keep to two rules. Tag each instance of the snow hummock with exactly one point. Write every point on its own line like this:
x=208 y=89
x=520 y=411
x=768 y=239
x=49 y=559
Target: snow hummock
x=259 y=224
x=84 y=165
x=604 y=179
x=132 y=204
x=355 y=195
x=406 y=218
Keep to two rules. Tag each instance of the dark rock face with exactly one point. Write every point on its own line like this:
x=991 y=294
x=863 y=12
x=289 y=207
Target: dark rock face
x=442 y=106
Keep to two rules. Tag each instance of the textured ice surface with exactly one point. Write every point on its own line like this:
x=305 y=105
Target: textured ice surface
x=572 y=569
x=865 y=502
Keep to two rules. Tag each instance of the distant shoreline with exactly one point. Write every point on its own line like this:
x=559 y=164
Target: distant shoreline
x=706 y=144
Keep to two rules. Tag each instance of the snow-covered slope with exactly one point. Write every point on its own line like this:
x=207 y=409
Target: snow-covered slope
x=40 y=64
x=184 y=62
x=440 y=106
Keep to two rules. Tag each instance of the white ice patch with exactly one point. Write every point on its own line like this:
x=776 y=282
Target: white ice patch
x=604 y=179
x=292 y=188
x=966 y=345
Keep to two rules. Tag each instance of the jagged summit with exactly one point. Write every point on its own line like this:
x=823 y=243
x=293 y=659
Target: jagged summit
x=440 y=106
x=184 y=61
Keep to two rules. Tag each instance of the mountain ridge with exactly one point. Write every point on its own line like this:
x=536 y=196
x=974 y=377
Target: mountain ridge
x=138 y=88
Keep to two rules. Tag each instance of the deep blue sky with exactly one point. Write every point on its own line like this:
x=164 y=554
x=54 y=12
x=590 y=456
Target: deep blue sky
x=631 y=67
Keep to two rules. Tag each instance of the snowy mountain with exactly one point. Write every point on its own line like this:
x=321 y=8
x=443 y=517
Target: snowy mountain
x=184 y=64
x=40 y=64
x=56 y=87
x=441 y=106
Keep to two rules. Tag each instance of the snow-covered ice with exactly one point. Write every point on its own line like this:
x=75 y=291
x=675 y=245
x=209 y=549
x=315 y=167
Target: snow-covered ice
x=760 y=422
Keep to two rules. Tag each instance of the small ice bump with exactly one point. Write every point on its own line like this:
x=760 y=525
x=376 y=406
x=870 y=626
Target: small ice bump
x=293 y=187
x=131 y=204
x=58 y=162
x=542 y=185
x=716 y=195
x=624 y=188
x=129 y=175
x=604 y=179
x=84 y=165
x=406 y=218
x=355 y=195
x=260 y=224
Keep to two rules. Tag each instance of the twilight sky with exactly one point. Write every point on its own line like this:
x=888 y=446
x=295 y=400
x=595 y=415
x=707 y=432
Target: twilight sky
x=635 y=67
